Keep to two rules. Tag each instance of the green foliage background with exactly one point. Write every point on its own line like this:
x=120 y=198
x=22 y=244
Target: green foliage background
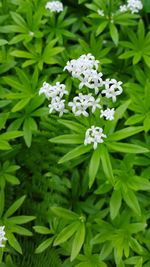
x=91 y=209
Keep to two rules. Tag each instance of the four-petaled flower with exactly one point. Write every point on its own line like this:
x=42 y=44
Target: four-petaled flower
x=108 y=114
x=94 y=135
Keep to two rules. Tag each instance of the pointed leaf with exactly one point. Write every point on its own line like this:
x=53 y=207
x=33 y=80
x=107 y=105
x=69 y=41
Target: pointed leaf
x=64 y=213
x=94 y=165
x=15 y=206
x=44 y=245
x=76 y=152
x=66 y=233
x=68 y=139
x=78 y=241
x=115 y=203
x=106 y=163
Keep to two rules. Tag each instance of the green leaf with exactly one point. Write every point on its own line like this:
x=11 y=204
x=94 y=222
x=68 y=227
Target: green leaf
x=3 y=42
x=76 y=127
x=76 y=152
x=27 y=131
x=93 y=166
x=21 y=230
x=68 y=139
x=135 y=119
x=114 y=33
x=127 y=55
x=15 y=206
x=115 y=204
x=132 y=201
x=64 y=213
x=139 y=183
x=127 y=148
x=106 y=163
x=50 y=52
x=22 y=54
x=4 y=145
x=42 y=230
x=20 y=105
x=101 y=27
x=66 y=233
x=12 y=179
x=3 y=119
x=21 y=219
x=124 y=133
x=11 y=135
x=78 y=241
x=147 y=60
x=137 y=58
x=147 y=123
x=13 y=242
x=19 y=20
x=44 y=245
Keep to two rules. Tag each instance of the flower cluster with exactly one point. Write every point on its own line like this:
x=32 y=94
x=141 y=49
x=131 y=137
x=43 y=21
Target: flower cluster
x=85 y=69
x=112 y=89
x=54 y=6
x=2 y=236
x=132 y=5
x=94 y=135
x=55 y=93
x=108 y=114
x=82 y=102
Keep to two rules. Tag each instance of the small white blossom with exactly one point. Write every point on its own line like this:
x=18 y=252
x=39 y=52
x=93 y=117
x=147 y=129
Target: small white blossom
x=95 y=104
x=112 y=89
x=77 y=66
x=54 y=6
x=2 y=236
x=57 y=104
x=134 y=6
x=82 y=102
x=94 y=135
x=108 y=114
x=91 y=79
x=31 y=33
x=100 y=12
x=52 y=91
x=123 y=8
x=45 y=89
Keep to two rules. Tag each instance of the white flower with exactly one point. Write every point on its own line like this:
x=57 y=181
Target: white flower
x=95 y=104
x=112 y=89
x=54 y=6
x=57 y=104
x=45 y=89
x=94 y=135
x=134 y=6
x=123 y=8
x=77 y=66
x=91 y=79
x=108 y=114
x=31 y=33
x=82 y=102
x=2 y=236
x=100 y=12
x=52 y=91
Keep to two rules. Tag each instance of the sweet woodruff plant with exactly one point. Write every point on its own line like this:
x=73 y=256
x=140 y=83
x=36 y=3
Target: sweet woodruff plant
x=96 y=89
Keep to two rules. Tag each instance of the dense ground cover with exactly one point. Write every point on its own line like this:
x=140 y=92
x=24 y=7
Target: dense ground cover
x=74 y=133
